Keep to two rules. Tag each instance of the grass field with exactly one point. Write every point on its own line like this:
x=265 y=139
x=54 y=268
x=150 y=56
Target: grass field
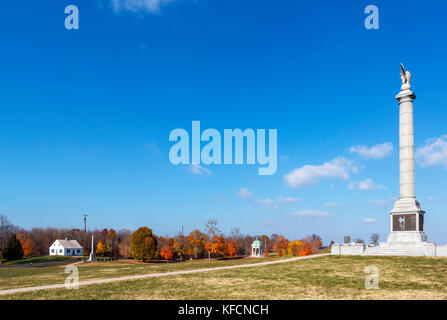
x=329 y=277
x=37 y=260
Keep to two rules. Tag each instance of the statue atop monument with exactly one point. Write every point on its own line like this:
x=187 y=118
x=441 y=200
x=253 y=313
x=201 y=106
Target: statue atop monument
x=405 y=76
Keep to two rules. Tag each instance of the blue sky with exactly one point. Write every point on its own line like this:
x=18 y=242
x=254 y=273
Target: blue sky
x=86 y=114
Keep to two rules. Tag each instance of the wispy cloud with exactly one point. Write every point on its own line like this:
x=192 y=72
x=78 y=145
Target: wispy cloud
x=369 y=220
x=311 y=213
x=332 y=204
x=152 y=146
x=383 y=202
x=378 y=151
x=244 y=193
x=433 y=153
x=287 y=199
x=308 y=175
x=367 y=184
x=198 y=170
x=149 y=6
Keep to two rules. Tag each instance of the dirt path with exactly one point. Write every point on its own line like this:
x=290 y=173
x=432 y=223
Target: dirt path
x=84 y=283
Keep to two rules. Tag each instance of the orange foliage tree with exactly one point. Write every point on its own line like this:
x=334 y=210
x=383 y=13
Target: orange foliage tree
x=294 y=247
x=232 y=248
x=196 y=243
x=305 y=249
x=217 y=245
x=281 y=246
x=28 y=244
x=166 y=253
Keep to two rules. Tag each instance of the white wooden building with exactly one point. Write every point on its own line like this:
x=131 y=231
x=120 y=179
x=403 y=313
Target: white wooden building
x=65 y=248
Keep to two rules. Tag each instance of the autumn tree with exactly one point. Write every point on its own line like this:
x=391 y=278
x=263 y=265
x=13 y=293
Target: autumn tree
x=196 y=243
x=236 y=235
x=166 y=253
x=294 y=247
x=281 y=246
x=217 y=245
x=143 y=244
x=102 y=249
x=180 y=244
x=265 y=242
x=232 y=248
x=28 y=244
x=112 y=242
x=305 y=249
x=13 y=249
x=124 y=242
x=211 y=230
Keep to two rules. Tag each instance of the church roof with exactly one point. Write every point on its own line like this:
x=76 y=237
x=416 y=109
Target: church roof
x=69 y=244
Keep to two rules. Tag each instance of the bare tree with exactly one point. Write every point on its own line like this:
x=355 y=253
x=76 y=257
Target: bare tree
x=211 y=230
x=358 y=240
x=347 y=239
x=6 y=230
x=374 y=238
x=236 y=235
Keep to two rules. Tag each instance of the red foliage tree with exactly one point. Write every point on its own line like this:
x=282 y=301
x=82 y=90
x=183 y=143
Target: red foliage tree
x=166 y=253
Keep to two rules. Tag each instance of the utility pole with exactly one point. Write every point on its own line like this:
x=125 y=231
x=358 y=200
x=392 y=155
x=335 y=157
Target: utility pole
x=85 y=234
x=183 y=249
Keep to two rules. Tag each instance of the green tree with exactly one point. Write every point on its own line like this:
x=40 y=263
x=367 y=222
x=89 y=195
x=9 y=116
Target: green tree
x=13 y=249
x=143 y=244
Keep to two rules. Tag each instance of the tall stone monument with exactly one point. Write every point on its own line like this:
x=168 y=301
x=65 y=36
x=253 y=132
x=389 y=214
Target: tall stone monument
x=407 y=236
x=92 y=253
x=407 y=217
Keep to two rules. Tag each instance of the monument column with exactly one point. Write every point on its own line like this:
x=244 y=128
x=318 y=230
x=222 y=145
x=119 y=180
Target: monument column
x=406 y=143
x=407 y=218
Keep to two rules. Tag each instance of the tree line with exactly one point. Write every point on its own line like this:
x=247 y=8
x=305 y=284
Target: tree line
x=143 y=244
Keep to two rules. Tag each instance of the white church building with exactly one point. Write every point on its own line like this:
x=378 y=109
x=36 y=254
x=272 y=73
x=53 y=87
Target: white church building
x=65 y=248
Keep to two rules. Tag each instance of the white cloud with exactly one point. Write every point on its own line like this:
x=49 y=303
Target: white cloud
x=244 y=193
x=287 y=199
x=431 y=198
x=332 y=204
x=379 y=202
x=308 y=175
x=378 y=151
x=367 y=184
x=311 y=213
x=150 y=6
x=198 y=170
x=433 y=153
x=369 y=220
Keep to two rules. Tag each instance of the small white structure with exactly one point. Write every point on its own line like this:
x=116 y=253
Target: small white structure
x=65 y=248
x=256 y=248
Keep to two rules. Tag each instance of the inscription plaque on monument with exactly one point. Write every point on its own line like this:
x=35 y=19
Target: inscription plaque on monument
x=404 y=222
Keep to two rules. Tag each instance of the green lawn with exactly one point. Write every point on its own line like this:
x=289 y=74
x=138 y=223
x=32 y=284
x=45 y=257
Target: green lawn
x=329 y=277
x=29 y=277
x=37 y=260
